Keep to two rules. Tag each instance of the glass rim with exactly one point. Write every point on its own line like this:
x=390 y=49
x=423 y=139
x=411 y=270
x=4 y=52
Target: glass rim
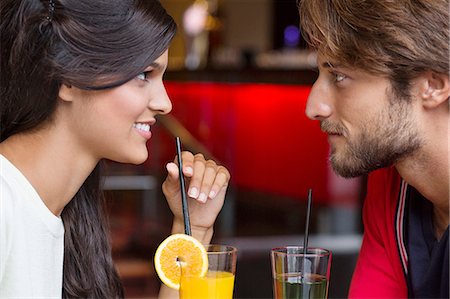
x=311 y=251
x=222 y=249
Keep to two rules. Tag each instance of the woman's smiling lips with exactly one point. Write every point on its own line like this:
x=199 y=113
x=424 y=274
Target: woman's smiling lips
x=144 y=128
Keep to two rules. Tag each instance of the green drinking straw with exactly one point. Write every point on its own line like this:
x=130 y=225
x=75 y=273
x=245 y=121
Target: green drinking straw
x=187 y=224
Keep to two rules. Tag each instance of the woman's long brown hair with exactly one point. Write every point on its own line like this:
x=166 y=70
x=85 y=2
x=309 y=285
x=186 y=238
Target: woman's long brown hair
x=90 y=44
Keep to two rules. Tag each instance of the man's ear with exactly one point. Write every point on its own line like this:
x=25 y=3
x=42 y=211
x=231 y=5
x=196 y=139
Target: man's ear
x=434 y=89
x=66 y=93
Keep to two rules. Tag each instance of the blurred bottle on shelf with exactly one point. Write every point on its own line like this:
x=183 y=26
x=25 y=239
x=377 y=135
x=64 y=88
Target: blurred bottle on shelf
x=199 y=21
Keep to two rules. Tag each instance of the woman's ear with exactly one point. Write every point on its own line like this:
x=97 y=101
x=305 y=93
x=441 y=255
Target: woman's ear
x=66 y=93
x=435 y=89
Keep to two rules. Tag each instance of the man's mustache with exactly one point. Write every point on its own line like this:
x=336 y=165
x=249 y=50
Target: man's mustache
x=331 y=128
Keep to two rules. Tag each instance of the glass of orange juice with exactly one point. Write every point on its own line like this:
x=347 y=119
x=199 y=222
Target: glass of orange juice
x=218 y=283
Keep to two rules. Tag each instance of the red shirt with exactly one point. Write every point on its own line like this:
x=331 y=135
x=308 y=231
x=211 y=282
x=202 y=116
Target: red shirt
x=382 y=263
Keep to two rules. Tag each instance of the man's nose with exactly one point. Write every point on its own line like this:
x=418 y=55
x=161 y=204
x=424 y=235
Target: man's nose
x=317 y=106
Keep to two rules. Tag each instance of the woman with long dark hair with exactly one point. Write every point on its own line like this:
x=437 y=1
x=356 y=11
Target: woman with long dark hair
x=81 y=81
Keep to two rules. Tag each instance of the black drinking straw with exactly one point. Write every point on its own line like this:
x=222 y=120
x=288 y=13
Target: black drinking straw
x=187 y=224
x=305 y=240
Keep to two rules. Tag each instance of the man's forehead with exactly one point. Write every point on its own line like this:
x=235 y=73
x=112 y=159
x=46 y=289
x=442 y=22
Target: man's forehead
x=327 y=62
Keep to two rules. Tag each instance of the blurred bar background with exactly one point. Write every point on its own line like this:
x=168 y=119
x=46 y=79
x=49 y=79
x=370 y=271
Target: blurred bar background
x=239 y=76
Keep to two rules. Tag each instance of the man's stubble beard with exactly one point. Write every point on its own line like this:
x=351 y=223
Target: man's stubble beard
x=384 y=140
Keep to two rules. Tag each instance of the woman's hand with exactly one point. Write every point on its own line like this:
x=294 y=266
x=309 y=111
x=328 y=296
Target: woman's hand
x=206 y=184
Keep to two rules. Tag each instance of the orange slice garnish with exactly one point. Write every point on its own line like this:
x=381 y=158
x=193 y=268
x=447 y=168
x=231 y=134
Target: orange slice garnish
x=178 y=251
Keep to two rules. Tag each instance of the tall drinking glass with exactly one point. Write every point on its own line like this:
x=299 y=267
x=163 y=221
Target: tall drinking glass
x=219 y=280
x=297 y=275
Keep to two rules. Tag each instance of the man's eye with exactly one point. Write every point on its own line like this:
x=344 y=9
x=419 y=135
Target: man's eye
x=339 y=77
x=143 y=76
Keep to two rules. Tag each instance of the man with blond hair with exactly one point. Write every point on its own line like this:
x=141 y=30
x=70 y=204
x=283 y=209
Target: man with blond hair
x=382 y=96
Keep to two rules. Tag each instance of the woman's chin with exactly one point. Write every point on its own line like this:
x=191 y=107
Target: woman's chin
x=135 y=159
x=140 y=160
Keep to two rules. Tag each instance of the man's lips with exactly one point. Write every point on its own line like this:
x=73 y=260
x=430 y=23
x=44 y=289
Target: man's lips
x=334 y=133
x=334 y=136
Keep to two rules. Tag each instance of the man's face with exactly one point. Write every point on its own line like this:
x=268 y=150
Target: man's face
x=368 y=125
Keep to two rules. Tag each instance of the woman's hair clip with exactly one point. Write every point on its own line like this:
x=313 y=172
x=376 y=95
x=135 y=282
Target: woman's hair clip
x=51 y=10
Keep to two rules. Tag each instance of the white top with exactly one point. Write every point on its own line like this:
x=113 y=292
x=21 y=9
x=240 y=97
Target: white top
x=31 y=240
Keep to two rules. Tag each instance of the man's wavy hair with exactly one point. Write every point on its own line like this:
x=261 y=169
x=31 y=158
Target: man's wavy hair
x=398 y=39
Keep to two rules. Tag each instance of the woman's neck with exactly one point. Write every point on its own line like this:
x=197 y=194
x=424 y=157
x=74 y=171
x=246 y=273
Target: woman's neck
x=53 y=166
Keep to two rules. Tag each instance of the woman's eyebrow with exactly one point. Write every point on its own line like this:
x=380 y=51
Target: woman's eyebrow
x=157 y=66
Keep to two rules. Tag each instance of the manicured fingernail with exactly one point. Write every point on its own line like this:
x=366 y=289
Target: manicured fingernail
x=193 y=192
x=202 y=197
x=212 y=194
x=189 y=170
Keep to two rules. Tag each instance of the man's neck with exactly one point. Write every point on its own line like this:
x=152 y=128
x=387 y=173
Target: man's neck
x=429 y=175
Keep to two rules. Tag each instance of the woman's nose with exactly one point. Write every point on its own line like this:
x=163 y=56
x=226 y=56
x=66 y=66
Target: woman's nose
x=317 y=106
x=161 y=102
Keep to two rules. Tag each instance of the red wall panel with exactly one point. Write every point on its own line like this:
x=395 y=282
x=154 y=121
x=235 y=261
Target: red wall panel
x=259 y=131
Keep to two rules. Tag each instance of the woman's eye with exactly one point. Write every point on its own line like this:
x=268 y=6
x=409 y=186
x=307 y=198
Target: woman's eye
x=143 y=76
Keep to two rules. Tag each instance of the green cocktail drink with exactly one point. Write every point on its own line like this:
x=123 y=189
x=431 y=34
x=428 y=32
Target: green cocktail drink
x=293 y=286
x=300 y=274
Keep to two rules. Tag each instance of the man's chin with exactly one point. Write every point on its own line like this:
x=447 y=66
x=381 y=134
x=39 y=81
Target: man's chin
x=346 y=173
x=347 y=170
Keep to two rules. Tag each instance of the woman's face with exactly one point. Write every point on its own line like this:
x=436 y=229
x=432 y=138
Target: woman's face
x=115 y=124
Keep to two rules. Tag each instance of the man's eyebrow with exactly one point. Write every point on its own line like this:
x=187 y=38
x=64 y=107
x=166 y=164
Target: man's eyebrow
x=329 y=65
